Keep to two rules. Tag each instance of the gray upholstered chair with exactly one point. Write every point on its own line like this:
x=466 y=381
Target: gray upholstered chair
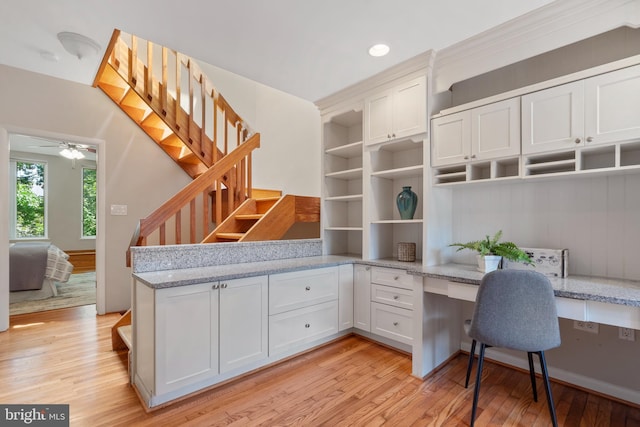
x=516 y=309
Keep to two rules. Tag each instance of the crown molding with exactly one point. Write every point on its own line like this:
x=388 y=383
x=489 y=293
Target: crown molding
x=549 y=27
x=421 y=63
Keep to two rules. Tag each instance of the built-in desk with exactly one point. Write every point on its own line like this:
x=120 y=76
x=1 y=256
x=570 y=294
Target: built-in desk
x=594 y=299
x=601 y=300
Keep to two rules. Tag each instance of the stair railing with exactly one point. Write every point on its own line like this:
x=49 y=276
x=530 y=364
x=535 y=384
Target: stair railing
x=174 y=86
x=156 y=228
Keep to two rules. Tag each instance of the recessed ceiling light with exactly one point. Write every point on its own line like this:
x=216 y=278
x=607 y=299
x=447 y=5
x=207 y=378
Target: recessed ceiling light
x=379 y=50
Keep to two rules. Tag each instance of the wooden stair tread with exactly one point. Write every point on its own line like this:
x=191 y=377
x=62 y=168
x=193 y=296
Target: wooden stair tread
x=126 y=333
x=230 y=236
x=249 y=216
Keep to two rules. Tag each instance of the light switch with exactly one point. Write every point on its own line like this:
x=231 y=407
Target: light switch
x=118 y=209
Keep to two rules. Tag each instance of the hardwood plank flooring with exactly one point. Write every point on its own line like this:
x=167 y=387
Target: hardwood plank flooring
x=64 y=356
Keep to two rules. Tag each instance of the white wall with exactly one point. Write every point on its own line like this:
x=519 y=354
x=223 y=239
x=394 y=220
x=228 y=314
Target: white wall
x=289 y=155
x=596 y=218
x=64 y=201
x=138 y=173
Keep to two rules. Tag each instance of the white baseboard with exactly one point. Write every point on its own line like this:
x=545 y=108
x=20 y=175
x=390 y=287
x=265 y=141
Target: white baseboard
x=563 y=375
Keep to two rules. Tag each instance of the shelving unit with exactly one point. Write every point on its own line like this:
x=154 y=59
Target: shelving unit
x=393 y=166
x=343 y=192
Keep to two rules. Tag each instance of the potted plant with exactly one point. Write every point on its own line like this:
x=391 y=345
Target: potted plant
x=491 y=251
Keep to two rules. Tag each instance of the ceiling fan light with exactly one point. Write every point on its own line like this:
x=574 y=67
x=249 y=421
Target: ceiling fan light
x=73 y=154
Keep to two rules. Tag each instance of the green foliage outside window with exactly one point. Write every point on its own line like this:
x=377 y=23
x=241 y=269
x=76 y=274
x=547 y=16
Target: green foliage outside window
x=30 y=201
x=88 y=202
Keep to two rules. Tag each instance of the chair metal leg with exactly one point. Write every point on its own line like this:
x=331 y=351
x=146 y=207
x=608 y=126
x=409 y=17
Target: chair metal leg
x=476 y=391
x=547 y=386
x=532 y=373
x=470 y=365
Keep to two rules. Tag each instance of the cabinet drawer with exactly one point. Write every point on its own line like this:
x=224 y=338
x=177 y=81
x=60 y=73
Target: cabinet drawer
x=392 y=322
x=397 y=297
x=294 y=329
x=391 y=277
x=290 y=291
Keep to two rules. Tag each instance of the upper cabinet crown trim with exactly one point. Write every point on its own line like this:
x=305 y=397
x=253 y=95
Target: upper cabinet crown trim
x=531 y=34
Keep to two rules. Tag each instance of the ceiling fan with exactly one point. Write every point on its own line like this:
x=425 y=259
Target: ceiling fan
x=70 y=150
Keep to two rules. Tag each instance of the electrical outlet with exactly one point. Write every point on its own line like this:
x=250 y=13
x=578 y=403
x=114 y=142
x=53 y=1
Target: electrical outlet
x=626 y=334
x=591 y=327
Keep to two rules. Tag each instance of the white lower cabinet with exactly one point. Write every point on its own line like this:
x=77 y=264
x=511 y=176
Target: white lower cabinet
x=186 y=336
x=303 y=308
x=362 y=297
x=392 y=304
x=392 y=322
x=204 y=330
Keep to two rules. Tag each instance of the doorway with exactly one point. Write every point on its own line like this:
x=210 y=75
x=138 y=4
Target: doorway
x=68 y=228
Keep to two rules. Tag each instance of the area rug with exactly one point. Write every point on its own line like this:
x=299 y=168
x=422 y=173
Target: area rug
x=79 y=290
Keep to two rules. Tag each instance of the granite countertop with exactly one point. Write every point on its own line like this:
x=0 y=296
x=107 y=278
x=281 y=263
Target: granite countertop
x=615 y=291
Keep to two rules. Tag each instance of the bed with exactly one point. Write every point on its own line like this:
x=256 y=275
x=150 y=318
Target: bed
x=34 y=269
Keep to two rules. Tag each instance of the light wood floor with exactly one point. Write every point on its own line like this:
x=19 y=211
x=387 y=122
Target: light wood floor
x=64 y=356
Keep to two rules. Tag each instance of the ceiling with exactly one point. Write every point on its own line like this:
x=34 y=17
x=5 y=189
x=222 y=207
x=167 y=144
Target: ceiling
x=308 y=48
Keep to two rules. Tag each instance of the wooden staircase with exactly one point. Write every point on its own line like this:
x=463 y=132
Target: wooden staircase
x=266 y=219
x=166 y=94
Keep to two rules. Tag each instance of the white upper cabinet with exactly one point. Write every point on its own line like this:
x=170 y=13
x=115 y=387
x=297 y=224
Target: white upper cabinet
x=495 y=130
x=553 y=119
x=612 y=103
x=488 y=132
x=598 y=110
x=397 y=113
x=451 y=138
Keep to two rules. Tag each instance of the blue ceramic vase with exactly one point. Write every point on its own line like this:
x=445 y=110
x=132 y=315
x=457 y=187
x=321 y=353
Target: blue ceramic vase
x=407 y=201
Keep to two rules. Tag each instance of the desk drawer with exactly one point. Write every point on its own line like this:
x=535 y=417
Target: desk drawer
x=297 y=289
x=392 y=322
x=294 y=329
x=391 y=277
x=397 y=297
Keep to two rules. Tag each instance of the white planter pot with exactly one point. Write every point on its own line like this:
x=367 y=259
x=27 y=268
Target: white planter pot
x=488 y=263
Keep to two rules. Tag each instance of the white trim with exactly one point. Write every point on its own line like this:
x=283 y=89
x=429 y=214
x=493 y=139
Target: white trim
x=552 y=26
x=588 y=383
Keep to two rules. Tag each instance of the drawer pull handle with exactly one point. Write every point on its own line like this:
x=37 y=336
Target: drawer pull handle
x=395 y=323
x=307 y=325
x=395 y=297
x=308 y=288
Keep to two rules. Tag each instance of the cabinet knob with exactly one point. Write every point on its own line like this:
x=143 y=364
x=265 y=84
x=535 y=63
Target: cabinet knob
x=388 y=136
x=466 y=157
x=395 y=297
x=396 y=277
x=307 y=325
x=367 y=268
x=223 y=286
x=589 y=138
x=308 y=288
x=578 y=141
x=473 y=156
x=215 y=287
x=395 y=323
x=393 y=135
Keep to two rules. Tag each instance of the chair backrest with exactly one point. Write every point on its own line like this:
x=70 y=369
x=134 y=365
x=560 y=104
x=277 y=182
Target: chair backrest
x=516 y=309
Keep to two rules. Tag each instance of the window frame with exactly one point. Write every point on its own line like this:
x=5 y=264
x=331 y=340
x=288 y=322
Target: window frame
x=82 y=235
x=13 y=208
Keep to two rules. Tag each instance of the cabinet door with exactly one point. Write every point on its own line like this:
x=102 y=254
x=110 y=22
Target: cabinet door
x=612 y=102
x=495 y=130
x=451 y=139
x=186 y=336
x=345 y=298
x=243 y=322
x=362 y=297
x=409 y=108
x=553 y=119
x=378 y=118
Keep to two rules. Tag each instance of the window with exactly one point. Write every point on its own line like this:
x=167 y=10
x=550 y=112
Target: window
x=88 y=202
x=29 y=191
